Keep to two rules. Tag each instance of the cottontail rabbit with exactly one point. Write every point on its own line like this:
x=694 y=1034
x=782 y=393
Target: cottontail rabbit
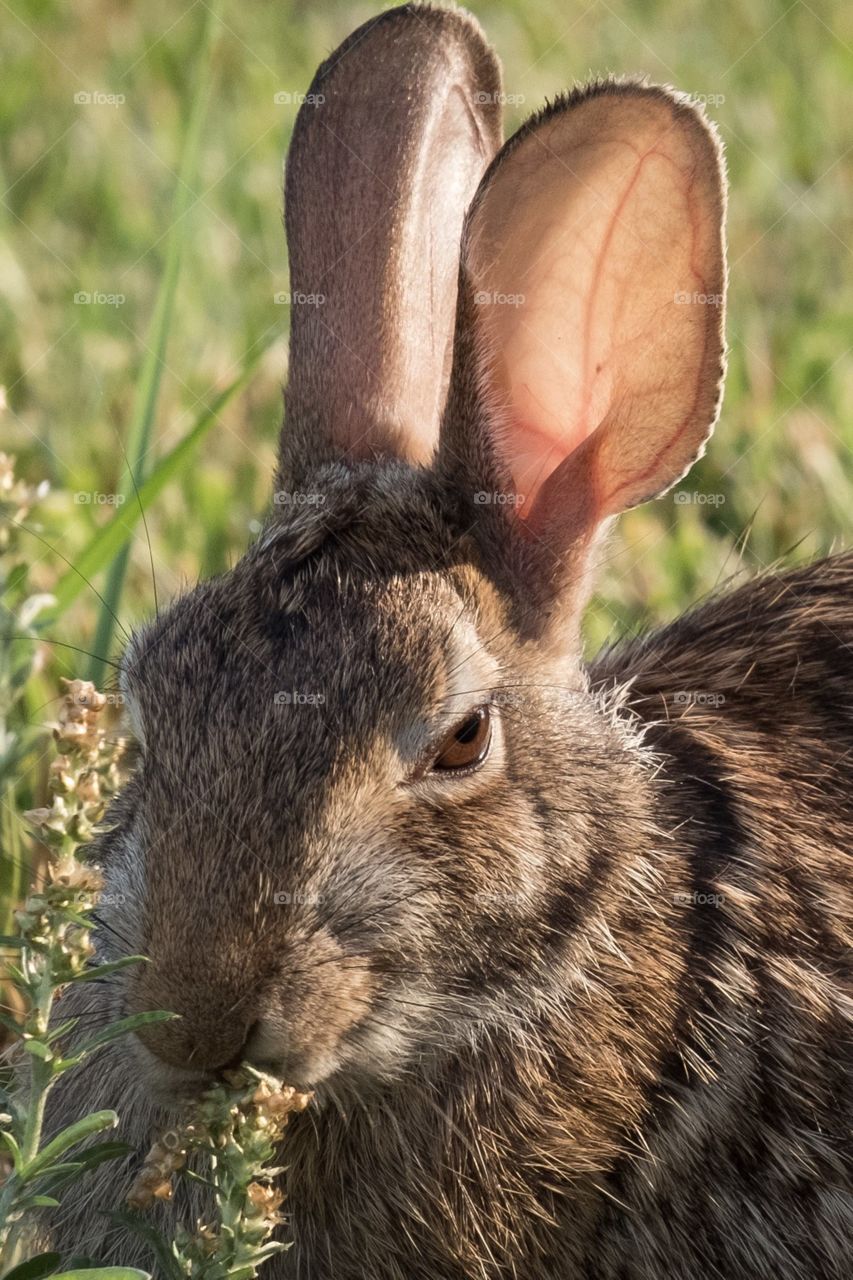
x=564 y=951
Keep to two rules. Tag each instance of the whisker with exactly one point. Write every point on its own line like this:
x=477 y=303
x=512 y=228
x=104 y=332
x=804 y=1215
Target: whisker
x=39 y=639
x=73 y=567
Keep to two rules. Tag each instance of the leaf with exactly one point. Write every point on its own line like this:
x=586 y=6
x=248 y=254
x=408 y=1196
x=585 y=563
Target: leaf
x=77 y=917
x=59 y=1175
x=102 y=1151
x=112 y=966
x=104 y=1273
x=169 y=1267
x=64 y=1027
x=34 y=1268
x=11 y=1143
x=37 y=1049
x=120 y=1028
x=191 y=1176
x=76 y=1132
x=38 y=1202
x=65 y=1170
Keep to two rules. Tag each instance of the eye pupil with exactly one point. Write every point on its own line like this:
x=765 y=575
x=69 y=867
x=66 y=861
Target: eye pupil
x=469 y=730
x=468 y=744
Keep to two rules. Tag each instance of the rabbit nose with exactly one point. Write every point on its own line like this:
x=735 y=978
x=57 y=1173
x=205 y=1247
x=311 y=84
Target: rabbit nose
x=195 y=1048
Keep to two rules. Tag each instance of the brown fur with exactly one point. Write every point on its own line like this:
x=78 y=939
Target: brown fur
x=582 y=1015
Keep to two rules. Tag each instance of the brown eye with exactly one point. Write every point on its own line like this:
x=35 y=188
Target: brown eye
x=468 y=745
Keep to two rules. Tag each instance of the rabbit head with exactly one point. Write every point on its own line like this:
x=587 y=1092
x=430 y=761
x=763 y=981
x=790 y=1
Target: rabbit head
x=370 y=761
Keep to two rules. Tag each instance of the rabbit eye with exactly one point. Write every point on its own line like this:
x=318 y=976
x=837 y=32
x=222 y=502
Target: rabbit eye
x=468 y=745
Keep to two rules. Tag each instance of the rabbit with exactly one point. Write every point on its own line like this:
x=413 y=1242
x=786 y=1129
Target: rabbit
x=562 y=948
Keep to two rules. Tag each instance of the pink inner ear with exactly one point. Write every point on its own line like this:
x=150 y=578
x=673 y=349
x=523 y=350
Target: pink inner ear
x=595 y=252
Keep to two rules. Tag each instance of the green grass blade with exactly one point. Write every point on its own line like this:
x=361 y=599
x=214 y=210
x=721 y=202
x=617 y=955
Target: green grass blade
x=148 y=389
x=13 y=864
x=108 y=542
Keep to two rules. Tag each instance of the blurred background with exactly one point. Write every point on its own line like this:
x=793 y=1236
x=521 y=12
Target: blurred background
x=141 y=253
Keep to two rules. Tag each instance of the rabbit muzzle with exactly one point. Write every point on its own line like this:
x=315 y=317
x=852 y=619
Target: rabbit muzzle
x=295 y=1022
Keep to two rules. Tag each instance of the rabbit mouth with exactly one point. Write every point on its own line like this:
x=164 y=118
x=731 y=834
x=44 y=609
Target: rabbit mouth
x=169 y=1088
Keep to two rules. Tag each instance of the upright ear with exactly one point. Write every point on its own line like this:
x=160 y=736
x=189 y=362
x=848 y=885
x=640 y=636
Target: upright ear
x=589 y=349
x=389 y=146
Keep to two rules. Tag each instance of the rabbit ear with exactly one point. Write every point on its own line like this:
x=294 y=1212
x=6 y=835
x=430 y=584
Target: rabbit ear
x=387 y=152
x=589 y=353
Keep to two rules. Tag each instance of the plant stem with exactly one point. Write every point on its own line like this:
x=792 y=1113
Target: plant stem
x=41 y=1078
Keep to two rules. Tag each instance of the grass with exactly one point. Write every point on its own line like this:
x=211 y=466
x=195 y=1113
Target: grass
x=159 y=197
